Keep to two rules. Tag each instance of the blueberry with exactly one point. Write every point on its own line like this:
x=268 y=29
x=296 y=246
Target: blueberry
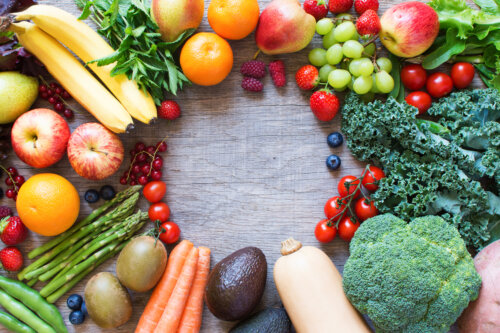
x=76 y=317
x=84 y=309
x=74 y=302
x=333 y=162
x=335 y=139
x=107 y=192
x=91 y=196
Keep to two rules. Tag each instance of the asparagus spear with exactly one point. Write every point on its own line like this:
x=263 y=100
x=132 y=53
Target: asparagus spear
x=96 y=213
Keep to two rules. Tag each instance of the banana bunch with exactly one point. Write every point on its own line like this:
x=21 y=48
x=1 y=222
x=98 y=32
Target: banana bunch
x=53 y=28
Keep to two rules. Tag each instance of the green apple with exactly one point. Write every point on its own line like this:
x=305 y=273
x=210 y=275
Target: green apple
x=17 y=93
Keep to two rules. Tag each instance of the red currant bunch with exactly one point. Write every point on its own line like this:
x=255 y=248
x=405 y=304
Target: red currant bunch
x=55 y=94
x=14 y=181
x=145 y=164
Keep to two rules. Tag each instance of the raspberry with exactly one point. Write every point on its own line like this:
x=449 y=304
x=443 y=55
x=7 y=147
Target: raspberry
x=277 y=71
x=5 y=211
x=253 y=68
x=251 y=84
x=169 y=110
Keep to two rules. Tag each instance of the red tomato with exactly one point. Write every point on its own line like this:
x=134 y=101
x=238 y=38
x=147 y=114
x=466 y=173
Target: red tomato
x=159 y=211
x=323 y=232
x=169 y=232
x=462 y=74
x=413 y=76
x=347 y=228
x=347 y=186
x=333 y=208
x=419 y=99
x=372 y=176
x=365 y=209
x=439 y=85
x=154 y=191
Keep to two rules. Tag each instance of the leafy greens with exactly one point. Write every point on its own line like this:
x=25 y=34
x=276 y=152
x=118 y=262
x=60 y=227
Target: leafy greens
x=448 y=167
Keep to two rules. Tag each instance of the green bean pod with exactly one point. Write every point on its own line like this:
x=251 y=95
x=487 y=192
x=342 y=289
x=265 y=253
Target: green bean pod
x=32 y=299
x=14 y=325
x=21 y=312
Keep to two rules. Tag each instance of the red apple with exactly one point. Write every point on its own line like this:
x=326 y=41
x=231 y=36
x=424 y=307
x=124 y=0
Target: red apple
x=409 y=28
x=39 y=137
x=94 y=151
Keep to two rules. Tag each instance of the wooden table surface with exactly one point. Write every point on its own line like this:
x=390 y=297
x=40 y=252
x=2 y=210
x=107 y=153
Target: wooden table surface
x=242 y=169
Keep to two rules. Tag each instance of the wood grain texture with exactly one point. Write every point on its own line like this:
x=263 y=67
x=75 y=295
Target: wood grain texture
x=242 y=169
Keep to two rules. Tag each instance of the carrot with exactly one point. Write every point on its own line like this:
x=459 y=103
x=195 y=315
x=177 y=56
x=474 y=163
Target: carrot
x=191 y=318
x=159 y=298
x=172 y=314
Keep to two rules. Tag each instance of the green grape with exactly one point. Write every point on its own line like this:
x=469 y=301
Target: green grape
x=317 y=57
x=334 y=54
x=324 y=26
x=354 y=67
x=384 y=64
x=324 y=71
x=350 y=85
x=329 y=40
x=370 y=49
x=344 y=31
x=374 y=88
x=342 y=17
x=362 y=85
x=355 y=36
x=340 y=89
x=368 y=97
x=384 y=82
x=352 y=49
x=365 y=67
x=339 y=78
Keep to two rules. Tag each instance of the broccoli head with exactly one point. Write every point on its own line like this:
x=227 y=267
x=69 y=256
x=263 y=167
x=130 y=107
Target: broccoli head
x=410 y=277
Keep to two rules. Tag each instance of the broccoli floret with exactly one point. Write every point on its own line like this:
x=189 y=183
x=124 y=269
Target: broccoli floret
x=410 y=277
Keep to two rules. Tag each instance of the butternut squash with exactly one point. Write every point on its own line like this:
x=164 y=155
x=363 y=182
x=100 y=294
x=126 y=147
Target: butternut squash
x=310 y=288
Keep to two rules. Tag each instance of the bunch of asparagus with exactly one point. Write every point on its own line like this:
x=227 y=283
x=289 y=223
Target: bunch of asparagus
x=69 y=257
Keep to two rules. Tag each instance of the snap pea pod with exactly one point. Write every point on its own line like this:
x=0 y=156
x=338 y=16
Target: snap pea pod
x=21 y=312
x=14 y=325
x=32 y=299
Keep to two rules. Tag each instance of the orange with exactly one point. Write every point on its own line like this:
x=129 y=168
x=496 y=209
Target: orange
x=48 y=204
x=233 y=19
x=206 y=59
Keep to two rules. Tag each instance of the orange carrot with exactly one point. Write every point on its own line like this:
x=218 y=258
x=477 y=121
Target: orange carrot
x=160 y=296
x=191 y=318
x=172 y=314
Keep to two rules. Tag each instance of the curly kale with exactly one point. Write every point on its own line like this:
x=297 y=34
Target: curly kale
x=449 y=166
x=410 y=277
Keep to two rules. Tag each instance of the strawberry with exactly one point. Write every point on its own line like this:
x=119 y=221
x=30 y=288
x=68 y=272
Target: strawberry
x=368 y=23
x=11 y=259
x=316 y=8
x=307 y=77
x=12 y=230
x=169 y=110
x=339 y=6
x=324 y=104
x=362 y=6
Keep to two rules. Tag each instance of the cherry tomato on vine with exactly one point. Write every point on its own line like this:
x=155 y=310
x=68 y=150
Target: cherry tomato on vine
x=419 y=99
x=347 y=228
x=154 y=191
x=323 y=232
x=348 y=185
x=159 y=211
x=333 y=208
x=439 y=85
x=365 y=209
x=169 y=232
x=372 y=176
x=462 y=74
x=413 y=76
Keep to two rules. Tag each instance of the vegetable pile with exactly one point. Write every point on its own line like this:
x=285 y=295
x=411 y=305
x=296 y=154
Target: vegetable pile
x=415 y=277
x=450 y=167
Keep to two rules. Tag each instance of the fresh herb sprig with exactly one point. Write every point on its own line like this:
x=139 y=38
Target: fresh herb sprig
x=140 y=53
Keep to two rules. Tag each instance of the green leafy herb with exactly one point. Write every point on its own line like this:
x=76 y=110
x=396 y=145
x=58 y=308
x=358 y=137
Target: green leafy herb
x=140 y=53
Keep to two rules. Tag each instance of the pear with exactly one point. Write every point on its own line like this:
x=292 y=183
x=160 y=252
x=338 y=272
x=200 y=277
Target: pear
x=17 y=93
x=173 y=17
x=284 y=27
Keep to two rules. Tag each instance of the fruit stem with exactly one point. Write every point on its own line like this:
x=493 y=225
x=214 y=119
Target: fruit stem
x=290 y=246
x=256 y=54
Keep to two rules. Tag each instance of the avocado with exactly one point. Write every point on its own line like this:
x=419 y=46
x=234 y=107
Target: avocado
x=236 y=284
x=270 y=320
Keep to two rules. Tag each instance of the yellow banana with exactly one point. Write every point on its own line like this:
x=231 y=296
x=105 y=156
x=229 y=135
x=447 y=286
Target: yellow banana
x=66 y=69
x=88 y=45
